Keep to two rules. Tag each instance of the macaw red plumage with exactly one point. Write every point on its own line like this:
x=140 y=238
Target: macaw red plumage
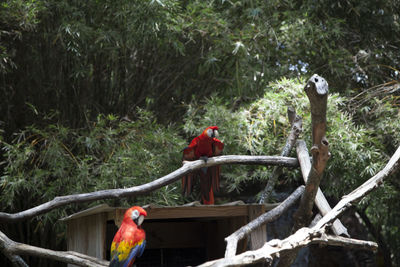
x=130 y=240
x=202 y=147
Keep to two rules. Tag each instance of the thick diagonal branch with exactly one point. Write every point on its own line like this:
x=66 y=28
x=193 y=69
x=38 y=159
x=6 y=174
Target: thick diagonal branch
x=146 y=188
x=270 y=216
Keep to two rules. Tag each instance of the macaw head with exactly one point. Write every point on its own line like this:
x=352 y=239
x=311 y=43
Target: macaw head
x=211 y=132
x=135 y=214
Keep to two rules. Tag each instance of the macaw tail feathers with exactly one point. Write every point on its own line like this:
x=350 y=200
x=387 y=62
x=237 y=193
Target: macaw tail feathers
x=209 y=183
x=215 y=174
x=187 y=184
x=210 y=200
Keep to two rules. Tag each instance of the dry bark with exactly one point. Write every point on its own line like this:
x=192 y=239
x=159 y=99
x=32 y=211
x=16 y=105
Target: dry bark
x=146 y=188
x=270 y=216
x=305 y=236
x=13 y=249
x=295 y=131
x=317 y=92
x=302 y=238
x=320 y=201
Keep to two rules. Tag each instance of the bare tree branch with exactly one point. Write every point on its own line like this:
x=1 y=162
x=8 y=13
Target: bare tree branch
x=146 y=188
x=275 y=247
x=362 y=190
x=317 y=92
x=304 y=236
x=295 y=131
x=270 y=216
x=12 y=249
x=345 y=242
x=305 y=165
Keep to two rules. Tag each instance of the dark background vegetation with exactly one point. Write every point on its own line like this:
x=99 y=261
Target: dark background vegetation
x=105 y=94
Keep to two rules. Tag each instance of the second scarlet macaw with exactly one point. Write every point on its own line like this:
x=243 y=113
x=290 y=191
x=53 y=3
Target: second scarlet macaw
x=130 y=240
x=202 y=147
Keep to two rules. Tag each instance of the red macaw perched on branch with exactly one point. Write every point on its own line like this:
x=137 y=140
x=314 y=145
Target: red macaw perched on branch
x=202 y=147
x=130 y=240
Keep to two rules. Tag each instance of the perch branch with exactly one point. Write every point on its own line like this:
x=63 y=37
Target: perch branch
x=13 y=249
x=146 y=188
x=305 y=165
x=295 y=131
x=304 y=236
x=270 y=216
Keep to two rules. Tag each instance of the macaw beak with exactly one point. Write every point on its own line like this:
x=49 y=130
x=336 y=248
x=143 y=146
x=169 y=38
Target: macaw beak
x=139 y=220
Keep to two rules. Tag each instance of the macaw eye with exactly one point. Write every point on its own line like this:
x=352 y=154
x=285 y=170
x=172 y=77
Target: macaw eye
x=216 y=134
x=210 y=133
x=135 y=214
x=140 y=220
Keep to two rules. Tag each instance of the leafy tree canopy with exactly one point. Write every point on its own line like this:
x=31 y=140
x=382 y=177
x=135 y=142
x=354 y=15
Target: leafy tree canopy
x=190 y=64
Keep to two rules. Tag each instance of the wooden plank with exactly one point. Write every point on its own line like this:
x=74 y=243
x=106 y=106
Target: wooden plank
x=191 y=212
x=102 y=208
x=197 y=212
x=87 y=235
x=229 y=209
x=259 y=236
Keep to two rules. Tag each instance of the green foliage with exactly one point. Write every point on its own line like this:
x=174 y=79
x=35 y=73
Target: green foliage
x=379 y=110
x=73 y=60
x=41 y=164
x=90 y=57
x=261 y=128
x=357 y=152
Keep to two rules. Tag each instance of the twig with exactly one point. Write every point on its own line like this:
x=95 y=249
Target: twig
x=270 y=216
x=145 y=188
x=345 y=242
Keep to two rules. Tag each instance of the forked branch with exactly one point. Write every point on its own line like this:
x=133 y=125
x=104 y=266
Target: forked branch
x=305 y=236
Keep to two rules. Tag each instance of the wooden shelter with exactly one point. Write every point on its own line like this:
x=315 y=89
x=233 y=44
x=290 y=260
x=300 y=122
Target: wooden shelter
x=176 y=236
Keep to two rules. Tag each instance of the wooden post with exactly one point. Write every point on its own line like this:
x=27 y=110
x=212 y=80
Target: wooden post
x=259 y=236
x=317 y=92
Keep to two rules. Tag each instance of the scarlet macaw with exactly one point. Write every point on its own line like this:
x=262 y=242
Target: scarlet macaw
x=202 y=147
x=130 y=240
